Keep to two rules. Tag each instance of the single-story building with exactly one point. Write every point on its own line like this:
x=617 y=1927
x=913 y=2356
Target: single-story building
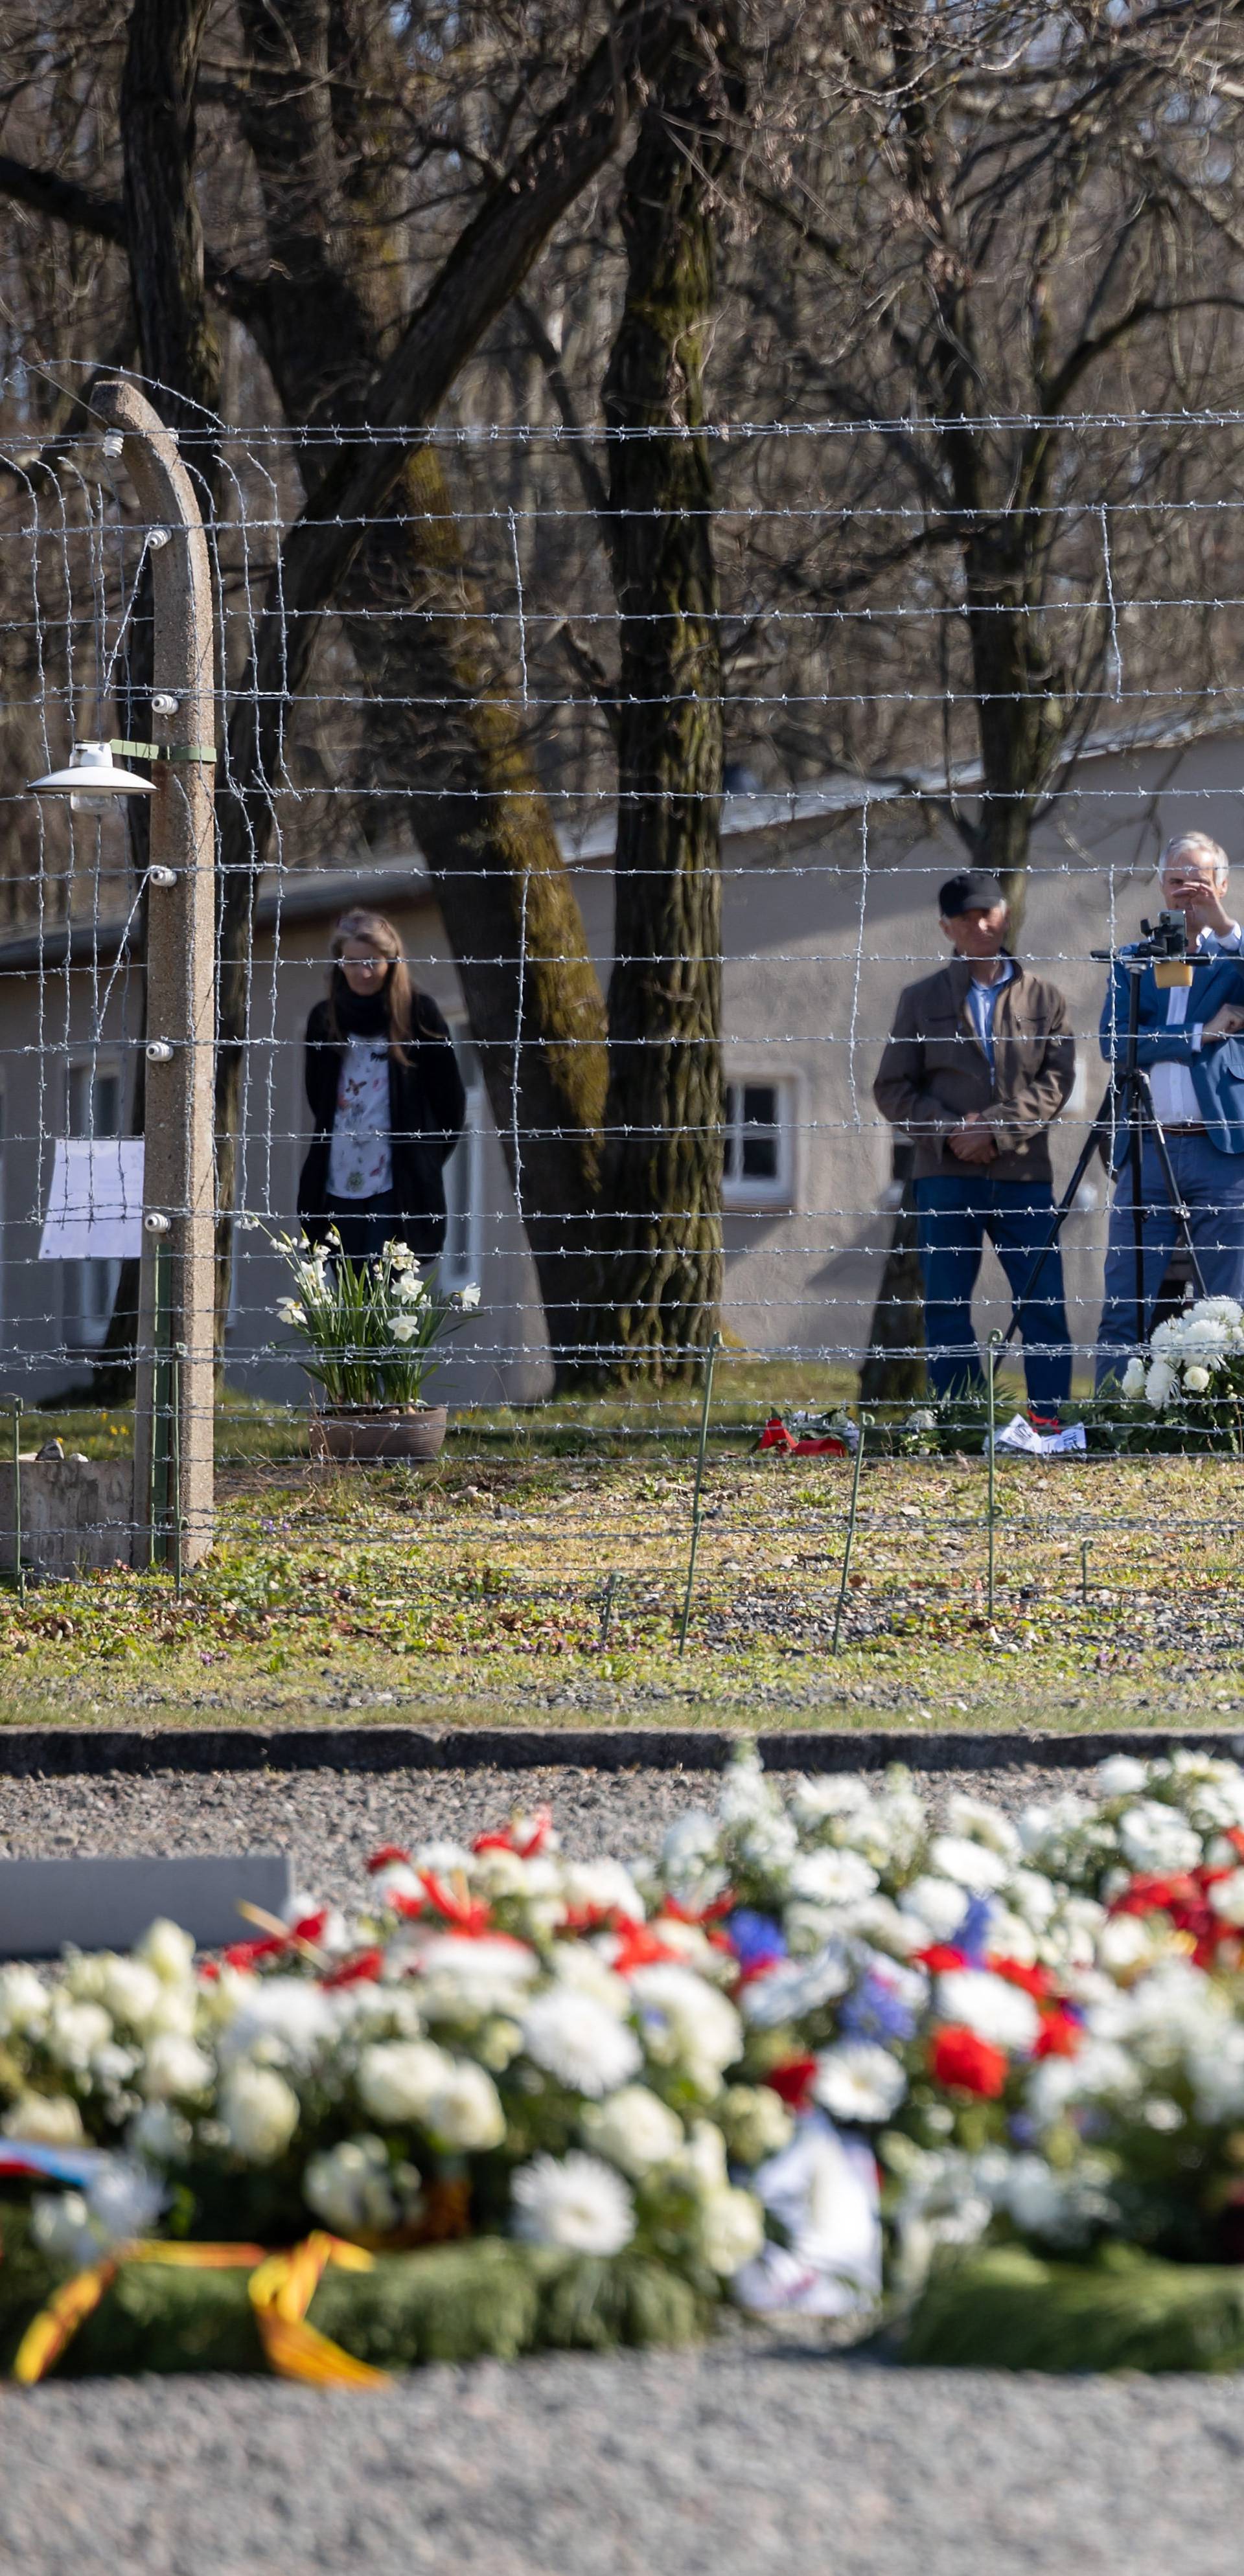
x=830 y=906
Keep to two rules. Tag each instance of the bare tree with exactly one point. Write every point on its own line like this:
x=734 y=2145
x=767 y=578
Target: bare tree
x=1017 y=216
x=444 y=723
x=660 y=1225
x=394 y=368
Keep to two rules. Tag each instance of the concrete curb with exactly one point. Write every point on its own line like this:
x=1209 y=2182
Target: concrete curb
x=56 y=1752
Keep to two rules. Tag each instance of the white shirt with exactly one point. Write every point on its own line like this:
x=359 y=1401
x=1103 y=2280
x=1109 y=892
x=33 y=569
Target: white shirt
x=360 y=1156
x=1174 y=1094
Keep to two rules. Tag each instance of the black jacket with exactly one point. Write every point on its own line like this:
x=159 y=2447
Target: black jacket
x=427 y=1106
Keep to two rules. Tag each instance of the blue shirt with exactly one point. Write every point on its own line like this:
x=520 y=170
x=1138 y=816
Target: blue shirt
x=983 y=1002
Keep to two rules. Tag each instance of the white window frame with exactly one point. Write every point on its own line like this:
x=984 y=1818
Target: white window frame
x=461 y=1262
x=746 y=1191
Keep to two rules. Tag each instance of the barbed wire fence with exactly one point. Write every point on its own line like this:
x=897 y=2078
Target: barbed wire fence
x=829 y=878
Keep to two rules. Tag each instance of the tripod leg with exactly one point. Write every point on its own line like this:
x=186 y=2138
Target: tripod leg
x=1183 y=1220
x=1136 y=1165
x=1102 y=1127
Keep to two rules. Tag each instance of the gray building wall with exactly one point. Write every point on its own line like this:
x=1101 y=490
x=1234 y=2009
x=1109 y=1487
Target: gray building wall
x=830 y=907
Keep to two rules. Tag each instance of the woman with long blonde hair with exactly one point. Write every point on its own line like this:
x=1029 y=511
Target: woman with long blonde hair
x=386 y=1099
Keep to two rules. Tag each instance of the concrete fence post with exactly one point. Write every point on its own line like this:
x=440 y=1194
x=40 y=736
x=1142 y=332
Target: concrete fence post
x=173 y=1497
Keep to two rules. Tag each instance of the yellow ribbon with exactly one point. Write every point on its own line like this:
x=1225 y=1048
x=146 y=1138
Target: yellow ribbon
x=281 y=2292
x=47 y=2334
x=281 y=2289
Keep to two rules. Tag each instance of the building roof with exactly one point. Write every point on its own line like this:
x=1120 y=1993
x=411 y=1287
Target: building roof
x=296 y=894
x=402 y=880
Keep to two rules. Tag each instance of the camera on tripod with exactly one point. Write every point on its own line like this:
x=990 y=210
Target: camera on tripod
x=1166 y=949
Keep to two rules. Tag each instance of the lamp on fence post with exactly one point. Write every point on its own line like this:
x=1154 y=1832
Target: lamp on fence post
x=176 y=1318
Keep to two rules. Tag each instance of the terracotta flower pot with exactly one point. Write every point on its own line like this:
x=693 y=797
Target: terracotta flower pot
x=363 y=1431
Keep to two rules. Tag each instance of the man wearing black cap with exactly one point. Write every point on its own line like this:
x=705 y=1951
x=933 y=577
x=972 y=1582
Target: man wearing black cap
x=980 y=1060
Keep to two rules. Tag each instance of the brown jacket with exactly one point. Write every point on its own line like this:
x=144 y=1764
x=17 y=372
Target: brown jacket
x=935 y=1069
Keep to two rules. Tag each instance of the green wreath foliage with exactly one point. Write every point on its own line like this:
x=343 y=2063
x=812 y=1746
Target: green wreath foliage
x=486 y=2298
x=1007 y=2310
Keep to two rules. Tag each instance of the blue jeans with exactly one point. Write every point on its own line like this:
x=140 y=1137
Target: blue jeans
x=1212 y=1187
x=953 y=1217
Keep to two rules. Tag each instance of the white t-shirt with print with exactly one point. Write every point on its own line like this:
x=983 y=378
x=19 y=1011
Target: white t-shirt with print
x=360 y=1157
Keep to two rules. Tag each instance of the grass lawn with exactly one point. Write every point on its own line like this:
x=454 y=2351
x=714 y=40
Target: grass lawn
x=480 y=1588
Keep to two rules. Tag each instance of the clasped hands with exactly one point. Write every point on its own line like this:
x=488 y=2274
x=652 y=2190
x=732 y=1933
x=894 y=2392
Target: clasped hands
x=974 y=1141
x=1225 y=1023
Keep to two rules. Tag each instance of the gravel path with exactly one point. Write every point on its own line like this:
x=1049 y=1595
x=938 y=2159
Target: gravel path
x=735 y=2462
x=328 y=1821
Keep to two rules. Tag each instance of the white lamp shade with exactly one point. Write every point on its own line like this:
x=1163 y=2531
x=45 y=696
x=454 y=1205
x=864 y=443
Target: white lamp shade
x=92 y=778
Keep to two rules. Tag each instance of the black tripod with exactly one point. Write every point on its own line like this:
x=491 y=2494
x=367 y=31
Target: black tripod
x=1128 y=1103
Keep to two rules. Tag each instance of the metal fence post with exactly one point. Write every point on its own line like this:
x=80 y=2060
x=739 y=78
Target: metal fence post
x=178 y=1184
x=19 y=1571
x=852 y=1517
x=991 y=1384
x=701 y=1453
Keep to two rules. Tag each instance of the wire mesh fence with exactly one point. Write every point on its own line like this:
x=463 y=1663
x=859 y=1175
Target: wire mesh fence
x=449 y=766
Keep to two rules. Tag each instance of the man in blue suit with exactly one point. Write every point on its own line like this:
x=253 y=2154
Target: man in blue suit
x=1192 y=1051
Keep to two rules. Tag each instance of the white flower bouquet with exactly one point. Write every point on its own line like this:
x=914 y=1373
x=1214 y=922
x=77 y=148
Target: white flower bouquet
x=497 y=2044
x=695 y=2064
x=369 y=1329
x=1186 y=1388
x=1040 y=2022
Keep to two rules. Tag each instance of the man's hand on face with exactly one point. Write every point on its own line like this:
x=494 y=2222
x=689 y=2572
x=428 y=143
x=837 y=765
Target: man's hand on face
x=1185 y=890
x=973 y=1142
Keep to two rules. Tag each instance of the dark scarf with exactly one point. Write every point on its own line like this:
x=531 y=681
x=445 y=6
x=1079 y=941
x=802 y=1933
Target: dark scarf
x=360 y=1015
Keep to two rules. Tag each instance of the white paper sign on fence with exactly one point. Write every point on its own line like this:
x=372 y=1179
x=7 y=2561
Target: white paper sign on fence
x=95 y=1208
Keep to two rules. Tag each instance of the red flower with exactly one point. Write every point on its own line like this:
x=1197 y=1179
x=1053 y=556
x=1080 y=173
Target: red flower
x=1183 y=1898
x=582 y=1919
x=959 y=2058
x=245 y=1954
x=1036 y=1982
x=1158 y=1895
x=362 y=1970
x=526 y=1845
x=385 y=1857
x=941 y=1956
x=791 y=2081
x=679 y=1913
x=638 y=1947
x=305 y=1934
x=465 y=1913
x=1059 y=2036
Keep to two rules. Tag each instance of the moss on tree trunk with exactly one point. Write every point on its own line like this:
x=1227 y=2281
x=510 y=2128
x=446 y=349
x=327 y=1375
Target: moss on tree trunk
x=659 y=1237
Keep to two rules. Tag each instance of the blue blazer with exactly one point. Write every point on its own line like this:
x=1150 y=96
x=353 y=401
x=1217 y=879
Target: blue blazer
x=1217 y=1070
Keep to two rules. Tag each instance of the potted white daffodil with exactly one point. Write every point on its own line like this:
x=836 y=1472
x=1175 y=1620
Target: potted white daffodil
x=369 y=1331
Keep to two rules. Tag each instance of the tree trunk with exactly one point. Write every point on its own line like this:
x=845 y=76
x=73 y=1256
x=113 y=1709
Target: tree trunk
x=660 y=1258
x=1019 y=691
x=496 y=856
x=893 y=1369
x=506 y=897
x=178 y=346
x=420 y=637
